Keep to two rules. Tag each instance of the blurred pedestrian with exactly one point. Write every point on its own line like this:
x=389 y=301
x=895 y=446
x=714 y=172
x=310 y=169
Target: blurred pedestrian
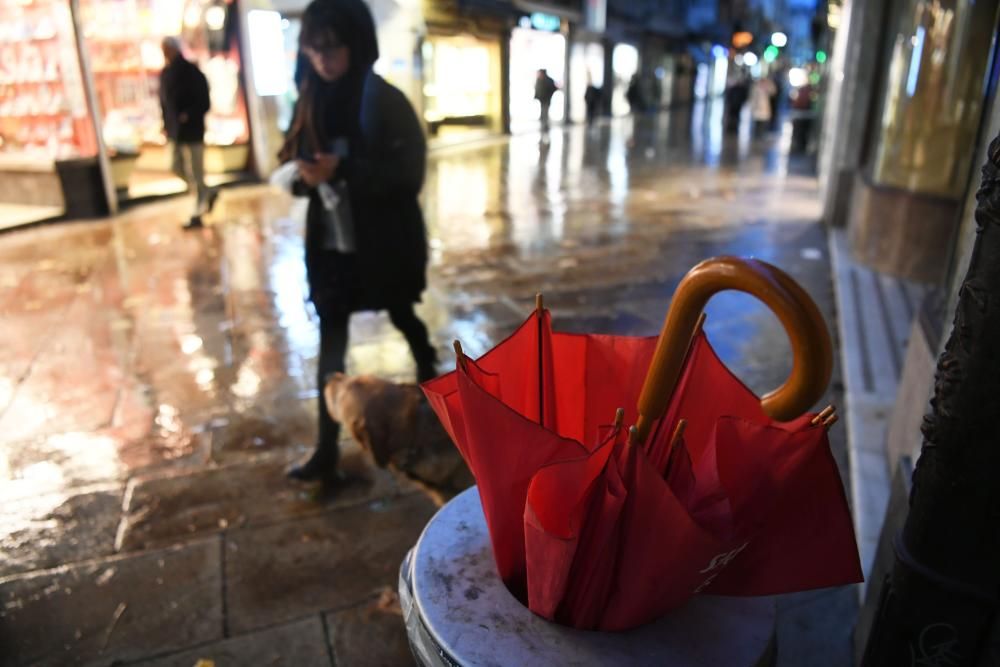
x=592 y=100
x=545 y=88
x=760 y=104
x=803 y=113
x=360 y=154
x=634 y=95
x=778 y=78
x=185 y=101
x=736 y=96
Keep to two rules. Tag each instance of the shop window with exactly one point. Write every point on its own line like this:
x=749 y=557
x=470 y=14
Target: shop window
x=43 y=106
x=531 y=50
x=461 y=84
x=933 y=95
x=126 y=66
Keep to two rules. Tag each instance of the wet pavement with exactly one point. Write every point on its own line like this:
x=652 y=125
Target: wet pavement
x=154 y=383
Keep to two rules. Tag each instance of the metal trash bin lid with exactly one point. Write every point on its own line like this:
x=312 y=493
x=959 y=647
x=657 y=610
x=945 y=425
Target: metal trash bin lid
x=459 y=613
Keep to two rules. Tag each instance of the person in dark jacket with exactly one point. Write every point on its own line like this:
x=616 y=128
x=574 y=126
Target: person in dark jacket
x=358 y=136
x=634 y=95
x=184 y=100
x=592 y=100
x=545 y=88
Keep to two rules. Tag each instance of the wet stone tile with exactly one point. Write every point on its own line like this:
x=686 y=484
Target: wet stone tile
x=165 y=448
x=162 y=510
x=298 y=644
x=217 y=351
x=113 y=609
x=335 y=560
x=372 y=634
x=65 y=461
x=805 y=634
x=42 y=532
x=273 y=426
x=62 y=393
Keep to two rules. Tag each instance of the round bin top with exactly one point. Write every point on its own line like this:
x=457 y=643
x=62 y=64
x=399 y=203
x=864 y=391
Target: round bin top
x=474 y=620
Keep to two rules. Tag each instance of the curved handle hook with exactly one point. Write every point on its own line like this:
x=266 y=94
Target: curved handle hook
x=811 y=348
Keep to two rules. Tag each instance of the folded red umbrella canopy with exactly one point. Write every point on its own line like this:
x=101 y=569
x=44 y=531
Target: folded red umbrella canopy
x=713 y=490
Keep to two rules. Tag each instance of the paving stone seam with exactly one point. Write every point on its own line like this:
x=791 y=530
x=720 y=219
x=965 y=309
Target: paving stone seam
x=129 y=368
x=279 y=455
x=321 y=511
x=327 y=638
x=248 y=525
x=123 y=521
x=46 y=342
x=322 y=614
x=223 y=585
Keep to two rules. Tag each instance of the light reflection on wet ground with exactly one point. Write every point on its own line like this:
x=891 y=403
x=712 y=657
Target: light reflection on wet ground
x=127 y=340
x=132 y=348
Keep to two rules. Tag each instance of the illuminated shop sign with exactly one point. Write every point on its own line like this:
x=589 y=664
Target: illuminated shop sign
x=549 y=22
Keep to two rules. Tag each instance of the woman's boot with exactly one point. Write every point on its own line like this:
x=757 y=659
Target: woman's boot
x=322 y=465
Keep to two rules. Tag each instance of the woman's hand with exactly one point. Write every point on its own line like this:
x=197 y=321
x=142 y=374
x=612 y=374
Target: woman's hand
x=320 y=171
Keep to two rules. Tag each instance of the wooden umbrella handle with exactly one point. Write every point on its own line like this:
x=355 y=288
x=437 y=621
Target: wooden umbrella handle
x=811 y=348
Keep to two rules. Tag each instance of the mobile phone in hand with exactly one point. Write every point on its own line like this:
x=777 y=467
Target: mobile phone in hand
x=339 y=147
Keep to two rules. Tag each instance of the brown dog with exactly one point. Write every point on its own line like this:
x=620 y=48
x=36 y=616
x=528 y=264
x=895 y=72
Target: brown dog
x=397 y=425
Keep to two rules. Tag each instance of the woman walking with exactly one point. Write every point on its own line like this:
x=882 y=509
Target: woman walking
x=361 y=155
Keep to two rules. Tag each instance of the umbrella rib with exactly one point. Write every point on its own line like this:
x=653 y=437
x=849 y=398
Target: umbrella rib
x=675 y=443
x=539 y=313
x=824 y=415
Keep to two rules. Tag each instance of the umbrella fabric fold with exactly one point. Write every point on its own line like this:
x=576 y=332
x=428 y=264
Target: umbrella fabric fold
x=592 y=530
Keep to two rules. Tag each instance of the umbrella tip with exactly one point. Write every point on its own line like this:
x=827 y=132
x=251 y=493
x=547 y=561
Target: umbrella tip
x=678 y=430
x=539 y=304
x=633 y=434
x=459 y=354
x=824 y=415
x=619 y=417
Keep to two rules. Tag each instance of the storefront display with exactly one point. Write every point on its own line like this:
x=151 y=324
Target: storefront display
x=81 y=127
x=531 y=50
x=933 y=95
x=43 y=111
x=126 y=70
x=44 y=117
x=461 y=85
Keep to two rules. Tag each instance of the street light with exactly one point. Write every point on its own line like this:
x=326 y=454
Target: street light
x=749 y=59
x=742 y=39
x=779 y=39
x=797 y=77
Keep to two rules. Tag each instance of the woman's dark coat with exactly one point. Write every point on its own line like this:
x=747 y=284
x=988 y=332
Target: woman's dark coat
x=384 y=172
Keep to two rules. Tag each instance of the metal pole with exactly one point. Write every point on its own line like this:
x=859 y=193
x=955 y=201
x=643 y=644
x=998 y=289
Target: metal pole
x=94 y=109
x=939 y=603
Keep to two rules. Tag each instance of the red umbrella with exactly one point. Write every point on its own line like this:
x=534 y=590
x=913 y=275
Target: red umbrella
x=712 y=490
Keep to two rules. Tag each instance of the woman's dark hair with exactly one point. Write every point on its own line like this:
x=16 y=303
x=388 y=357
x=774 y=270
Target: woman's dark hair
x=348 y=21
x=325 y=23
